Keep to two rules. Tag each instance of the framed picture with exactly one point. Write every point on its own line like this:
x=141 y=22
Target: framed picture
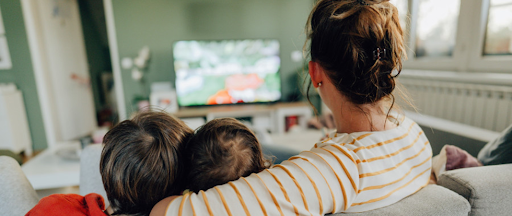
x=5 y=58
x=165 y=100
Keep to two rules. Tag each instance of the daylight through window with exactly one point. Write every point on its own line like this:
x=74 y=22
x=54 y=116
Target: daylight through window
x=498 y=39
x=436 y=27
x=402 y=6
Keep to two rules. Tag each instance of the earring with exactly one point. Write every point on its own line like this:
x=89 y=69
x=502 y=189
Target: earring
x=319 y=84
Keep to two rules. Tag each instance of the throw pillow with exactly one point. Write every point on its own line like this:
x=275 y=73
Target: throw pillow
x=450 y=158
x=457 y=158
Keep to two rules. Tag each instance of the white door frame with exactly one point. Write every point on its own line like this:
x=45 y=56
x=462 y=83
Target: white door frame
x=40 y=66
x=41 y=69
x=114 y=55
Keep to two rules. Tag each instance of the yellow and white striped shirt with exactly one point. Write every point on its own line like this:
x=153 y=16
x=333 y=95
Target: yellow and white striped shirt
x=346 y=173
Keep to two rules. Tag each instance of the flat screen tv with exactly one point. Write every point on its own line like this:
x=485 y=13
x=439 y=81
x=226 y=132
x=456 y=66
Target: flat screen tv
x=227 y=72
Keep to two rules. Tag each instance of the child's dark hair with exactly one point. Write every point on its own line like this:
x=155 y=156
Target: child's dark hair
x=359 y=43
x=222 y=150
x=141 y=162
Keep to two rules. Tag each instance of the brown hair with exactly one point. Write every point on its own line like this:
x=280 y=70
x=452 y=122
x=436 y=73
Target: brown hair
x=345 y=39
x=140 y=163
x=222 y=150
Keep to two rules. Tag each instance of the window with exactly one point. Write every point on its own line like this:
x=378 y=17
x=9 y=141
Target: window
x=457 y=35
x=402 y=6
x=498 y=38
x=436 y=28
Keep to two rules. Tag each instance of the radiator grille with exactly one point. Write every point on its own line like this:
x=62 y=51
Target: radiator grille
x=484 y=106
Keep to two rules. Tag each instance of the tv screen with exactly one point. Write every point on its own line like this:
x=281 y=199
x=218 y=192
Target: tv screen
x=227 y=72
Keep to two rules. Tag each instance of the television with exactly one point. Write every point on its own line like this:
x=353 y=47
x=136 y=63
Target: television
x=227 y=72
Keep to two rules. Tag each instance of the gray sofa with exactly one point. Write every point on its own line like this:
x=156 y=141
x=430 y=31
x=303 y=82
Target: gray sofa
x=471 y=191
x=487 y=189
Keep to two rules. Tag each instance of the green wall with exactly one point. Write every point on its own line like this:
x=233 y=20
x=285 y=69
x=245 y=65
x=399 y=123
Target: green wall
x=159 y=23
x=22 y=73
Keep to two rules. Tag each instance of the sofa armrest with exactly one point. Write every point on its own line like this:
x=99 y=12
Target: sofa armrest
x=486 y=188
x=431 y=200
x=17 y=196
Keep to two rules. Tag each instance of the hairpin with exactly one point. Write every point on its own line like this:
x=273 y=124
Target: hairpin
x=393 y=73
x=377 y=54
x=362 y=2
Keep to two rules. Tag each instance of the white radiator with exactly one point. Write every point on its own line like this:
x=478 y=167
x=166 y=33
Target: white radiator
x=484 y=106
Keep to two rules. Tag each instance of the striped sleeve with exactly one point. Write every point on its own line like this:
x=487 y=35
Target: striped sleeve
x=316 y=182
x=345 y=173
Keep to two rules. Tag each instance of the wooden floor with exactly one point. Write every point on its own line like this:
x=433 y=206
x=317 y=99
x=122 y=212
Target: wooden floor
x=64 y=190
x=27 y=158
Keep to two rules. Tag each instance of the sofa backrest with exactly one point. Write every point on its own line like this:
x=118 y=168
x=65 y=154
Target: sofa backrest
x=90 y=177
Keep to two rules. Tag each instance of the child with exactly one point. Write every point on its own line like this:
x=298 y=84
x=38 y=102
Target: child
x=140 y=165
x=222 y=150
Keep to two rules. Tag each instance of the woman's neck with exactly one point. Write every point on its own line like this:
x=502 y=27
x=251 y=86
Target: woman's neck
x=370 y=117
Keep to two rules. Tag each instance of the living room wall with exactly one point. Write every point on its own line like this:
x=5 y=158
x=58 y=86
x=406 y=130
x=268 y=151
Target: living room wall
x=22 y=73
x=159 y=23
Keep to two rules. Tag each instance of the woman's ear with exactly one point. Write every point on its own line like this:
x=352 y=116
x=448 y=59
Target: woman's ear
x=316 y=73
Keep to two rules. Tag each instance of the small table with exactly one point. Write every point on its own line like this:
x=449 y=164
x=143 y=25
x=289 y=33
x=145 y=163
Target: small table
x=48 y=170
x=299 y=140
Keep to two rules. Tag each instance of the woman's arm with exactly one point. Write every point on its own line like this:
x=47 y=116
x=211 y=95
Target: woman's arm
x=323 y=180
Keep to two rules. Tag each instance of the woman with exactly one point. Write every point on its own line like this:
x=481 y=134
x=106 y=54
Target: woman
x=373 y=160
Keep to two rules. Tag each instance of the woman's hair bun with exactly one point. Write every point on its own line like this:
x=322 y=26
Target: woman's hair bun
x=344 y=38
x=371 y=2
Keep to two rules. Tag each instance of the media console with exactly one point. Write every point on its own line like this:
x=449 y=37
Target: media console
x=267 y=116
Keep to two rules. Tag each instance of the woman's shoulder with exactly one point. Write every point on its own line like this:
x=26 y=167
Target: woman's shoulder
x=357 y=140
x=160 y=208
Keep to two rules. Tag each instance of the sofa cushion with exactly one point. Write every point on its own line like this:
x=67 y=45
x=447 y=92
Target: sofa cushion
x=486 y=188
x=90 y=177
x=431 y=200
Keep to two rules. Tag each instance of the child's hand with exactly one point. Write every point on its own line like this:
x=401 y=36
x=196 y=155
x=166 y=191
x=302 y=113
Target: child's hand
x=161 y=207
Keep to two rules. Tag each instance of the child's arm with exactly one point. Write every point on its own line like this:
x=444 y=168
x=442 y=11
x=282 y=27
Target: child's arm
x=316 y=182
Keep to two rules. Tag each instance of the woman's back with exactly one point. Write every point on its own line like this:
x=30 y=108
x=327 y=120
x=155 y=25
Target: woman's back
x=391 y=164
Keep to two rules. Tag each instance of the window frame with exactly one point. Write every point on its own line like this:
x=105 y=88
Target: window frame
x=465 y=58
x=477 y=60
x=430 y=63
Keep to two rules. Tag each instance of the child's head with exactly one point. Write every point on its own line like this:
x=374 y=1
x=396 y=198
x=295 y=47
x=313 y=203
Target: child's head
x=359 y=43
x=222 y=150
x=140 y=163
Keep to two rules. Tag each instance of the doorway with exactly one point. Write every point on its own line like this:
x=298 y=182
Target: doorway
x=94 y=27
x=71 y=60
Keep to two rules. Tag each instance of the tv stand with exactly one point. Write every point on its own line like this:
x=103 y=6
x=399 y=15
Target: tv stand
x=268 y=116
